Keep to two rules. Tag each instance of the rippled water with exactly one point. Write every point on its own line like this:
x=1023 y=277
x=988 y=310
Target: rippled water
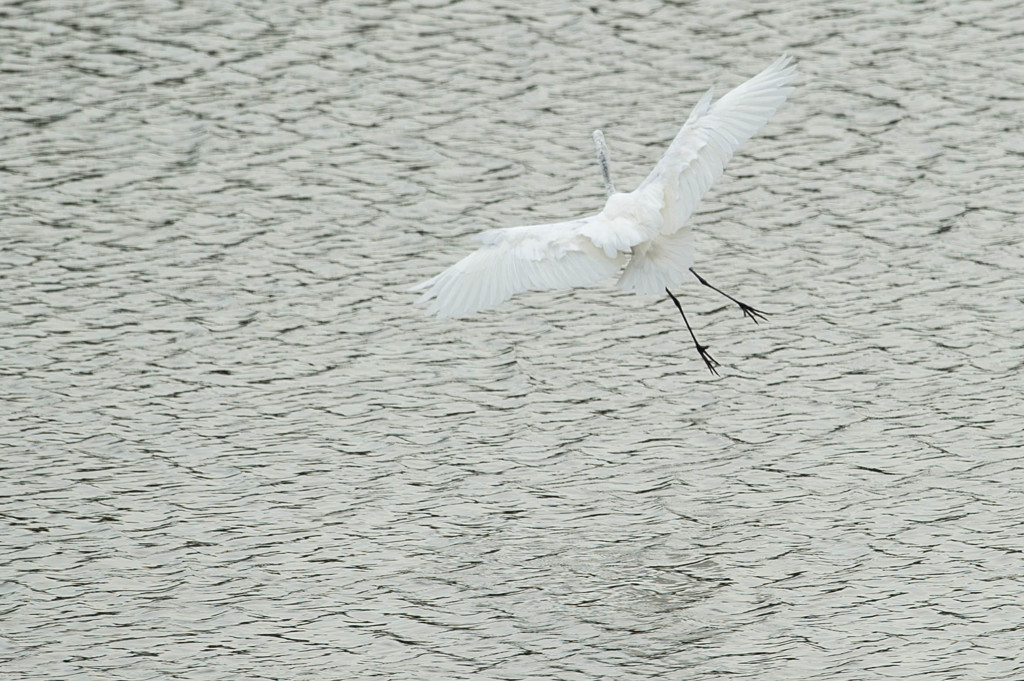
x=233 y=449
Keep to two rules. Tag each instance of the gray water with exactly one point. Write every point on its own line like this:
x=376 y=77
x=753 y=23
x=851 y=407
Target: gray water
x=232 y=448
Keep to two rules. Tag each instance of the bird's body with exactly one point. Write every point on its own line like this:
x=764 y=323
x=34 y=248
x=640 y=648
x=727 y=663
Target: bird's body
x=645 y=229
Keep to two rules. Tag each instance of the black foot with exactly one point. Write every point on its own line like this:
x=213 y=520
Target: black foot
x=748 y=311
x=710 y=361
x=702 y=350
x=752 y=312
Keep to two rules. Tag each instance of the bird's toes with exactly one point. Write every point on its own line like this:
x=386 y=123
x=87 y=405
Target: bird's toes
x=753 y=313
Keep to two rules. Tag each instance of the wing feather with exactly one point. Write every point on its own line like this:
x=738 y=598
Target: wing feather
x=706 y=143
x=693 y=162
x=517 y=259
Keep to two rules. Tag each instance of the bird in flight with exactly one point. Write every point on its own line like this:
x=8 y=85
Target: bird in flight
x=644 y=230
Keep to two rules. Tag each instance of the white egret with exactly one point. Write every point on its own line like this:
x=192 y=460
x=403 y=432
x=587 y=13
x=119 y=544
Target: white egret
x=649 y=224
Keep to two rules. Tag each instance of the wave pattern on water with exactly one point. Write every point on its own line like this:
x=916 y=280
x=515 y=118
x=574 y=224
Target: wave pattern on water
x=233 y=449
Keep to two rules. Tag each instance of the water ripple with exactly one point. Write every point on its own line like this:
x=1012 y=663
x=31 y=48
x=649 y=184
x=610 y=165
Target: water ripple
x=234 y=450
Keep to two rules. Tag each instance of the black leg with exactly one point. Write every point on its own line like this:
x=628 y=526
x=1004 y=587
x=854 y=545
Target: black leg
x=702 y=350
x=748 y=311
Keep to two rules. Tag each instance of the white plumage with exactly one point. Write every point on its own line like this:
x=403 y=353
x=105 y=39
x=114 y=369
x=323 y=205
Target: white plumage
x=648 y=223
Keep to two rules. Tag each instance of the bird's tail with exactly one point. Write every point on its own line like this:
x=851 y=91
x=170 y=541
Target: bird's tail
x=659 y=264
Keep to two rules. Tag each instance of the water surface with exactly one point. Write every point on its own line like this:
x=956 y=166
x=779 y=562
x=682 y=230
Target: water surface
x=233 y=449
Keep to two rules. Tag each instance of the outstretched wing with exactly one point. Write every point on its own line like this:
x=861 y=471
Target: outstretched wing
x=694 y=160
x=517 y=259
